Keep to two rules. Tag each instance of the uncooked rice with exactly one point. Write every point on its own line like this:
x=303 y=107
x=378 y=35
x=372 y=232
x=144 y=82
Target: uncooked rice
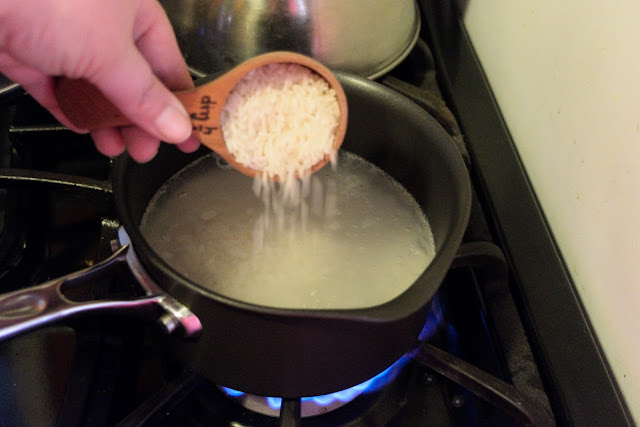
x=281 y=119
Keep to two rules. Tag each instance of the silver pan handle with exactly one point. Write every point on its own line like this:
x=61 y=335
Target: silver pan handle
x=24 y=310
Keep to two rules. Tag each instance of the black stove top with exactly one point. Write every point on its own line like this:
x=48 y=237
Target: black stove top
x=484 y=358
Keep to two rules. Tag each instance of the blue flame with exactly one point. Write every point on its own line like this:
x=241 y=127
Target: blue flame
x=233 y=393
x=347 y=395
x=374 y=384
x=274 y=402
x=434 y=320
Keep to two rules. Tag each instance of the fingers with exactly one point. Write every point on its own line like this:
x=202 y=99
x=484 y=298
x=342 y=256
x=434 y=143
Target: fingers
x=109 y=141
x=131 y=82
x=190 y=145
x=132 y=87
x=141 y=146
x=157 y=47
x=156 y=40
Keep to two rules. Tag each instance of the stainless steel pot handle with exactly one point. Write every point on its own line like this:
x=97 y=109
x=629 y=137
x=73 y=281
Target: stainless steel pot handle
x=27 y=309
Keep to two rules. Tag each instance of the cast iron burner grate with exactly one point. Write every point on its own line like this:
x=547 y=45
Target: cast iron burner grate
x=422 y=390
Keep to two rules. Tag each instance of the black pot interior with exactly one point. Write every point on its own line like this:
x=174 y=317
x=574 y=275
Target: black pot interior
x=385 y=129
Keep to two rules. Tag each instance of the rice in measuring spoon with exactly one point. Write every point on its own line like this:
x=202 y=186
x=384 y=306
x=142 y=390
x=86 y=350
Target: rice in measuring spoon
x=281 y=119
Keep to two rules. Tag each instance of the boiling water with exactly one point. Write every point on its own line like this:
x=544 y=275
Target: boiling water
x=357 y=238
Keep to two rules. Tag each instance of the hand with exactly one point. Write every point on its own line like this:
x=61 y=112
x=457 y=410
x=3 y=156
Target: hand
x=126 y=48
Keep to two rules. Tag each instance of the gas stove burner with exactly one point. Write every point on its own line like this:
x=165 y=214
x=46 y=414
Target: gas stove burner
x=318 y=405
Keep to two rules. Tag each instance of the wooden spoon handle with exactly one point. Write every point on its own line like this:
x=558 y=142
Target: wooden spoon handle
x=86 y=106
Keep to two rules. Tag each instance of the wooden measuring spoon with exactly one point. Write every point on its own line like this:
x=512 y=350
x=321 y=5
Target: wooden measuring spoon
x=87 y=108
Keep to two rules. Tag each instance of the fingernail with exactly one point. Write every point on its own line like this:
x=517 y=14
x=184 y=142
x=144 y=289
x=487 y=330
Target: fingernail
x=174 y=123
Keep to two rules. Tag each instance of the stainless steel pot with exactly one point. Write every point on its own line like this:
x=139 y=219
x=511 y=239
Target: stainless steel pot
x=363 y=37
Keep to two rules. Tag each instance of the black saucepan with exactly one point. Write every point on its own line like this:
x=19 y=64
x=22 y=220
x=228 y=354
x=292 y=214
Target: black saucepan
x=285 y=352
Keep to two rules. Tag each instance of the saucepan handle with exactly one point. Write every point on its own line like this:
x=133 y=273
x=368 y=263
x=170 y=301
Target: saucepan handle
x=24 y=310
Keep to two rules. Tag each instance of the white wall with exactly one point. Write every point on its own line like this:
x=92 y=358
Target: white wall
x=566 y=75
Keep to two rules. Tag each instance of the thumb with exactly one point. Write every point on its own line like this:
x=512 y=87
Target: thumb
x=132 y=87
